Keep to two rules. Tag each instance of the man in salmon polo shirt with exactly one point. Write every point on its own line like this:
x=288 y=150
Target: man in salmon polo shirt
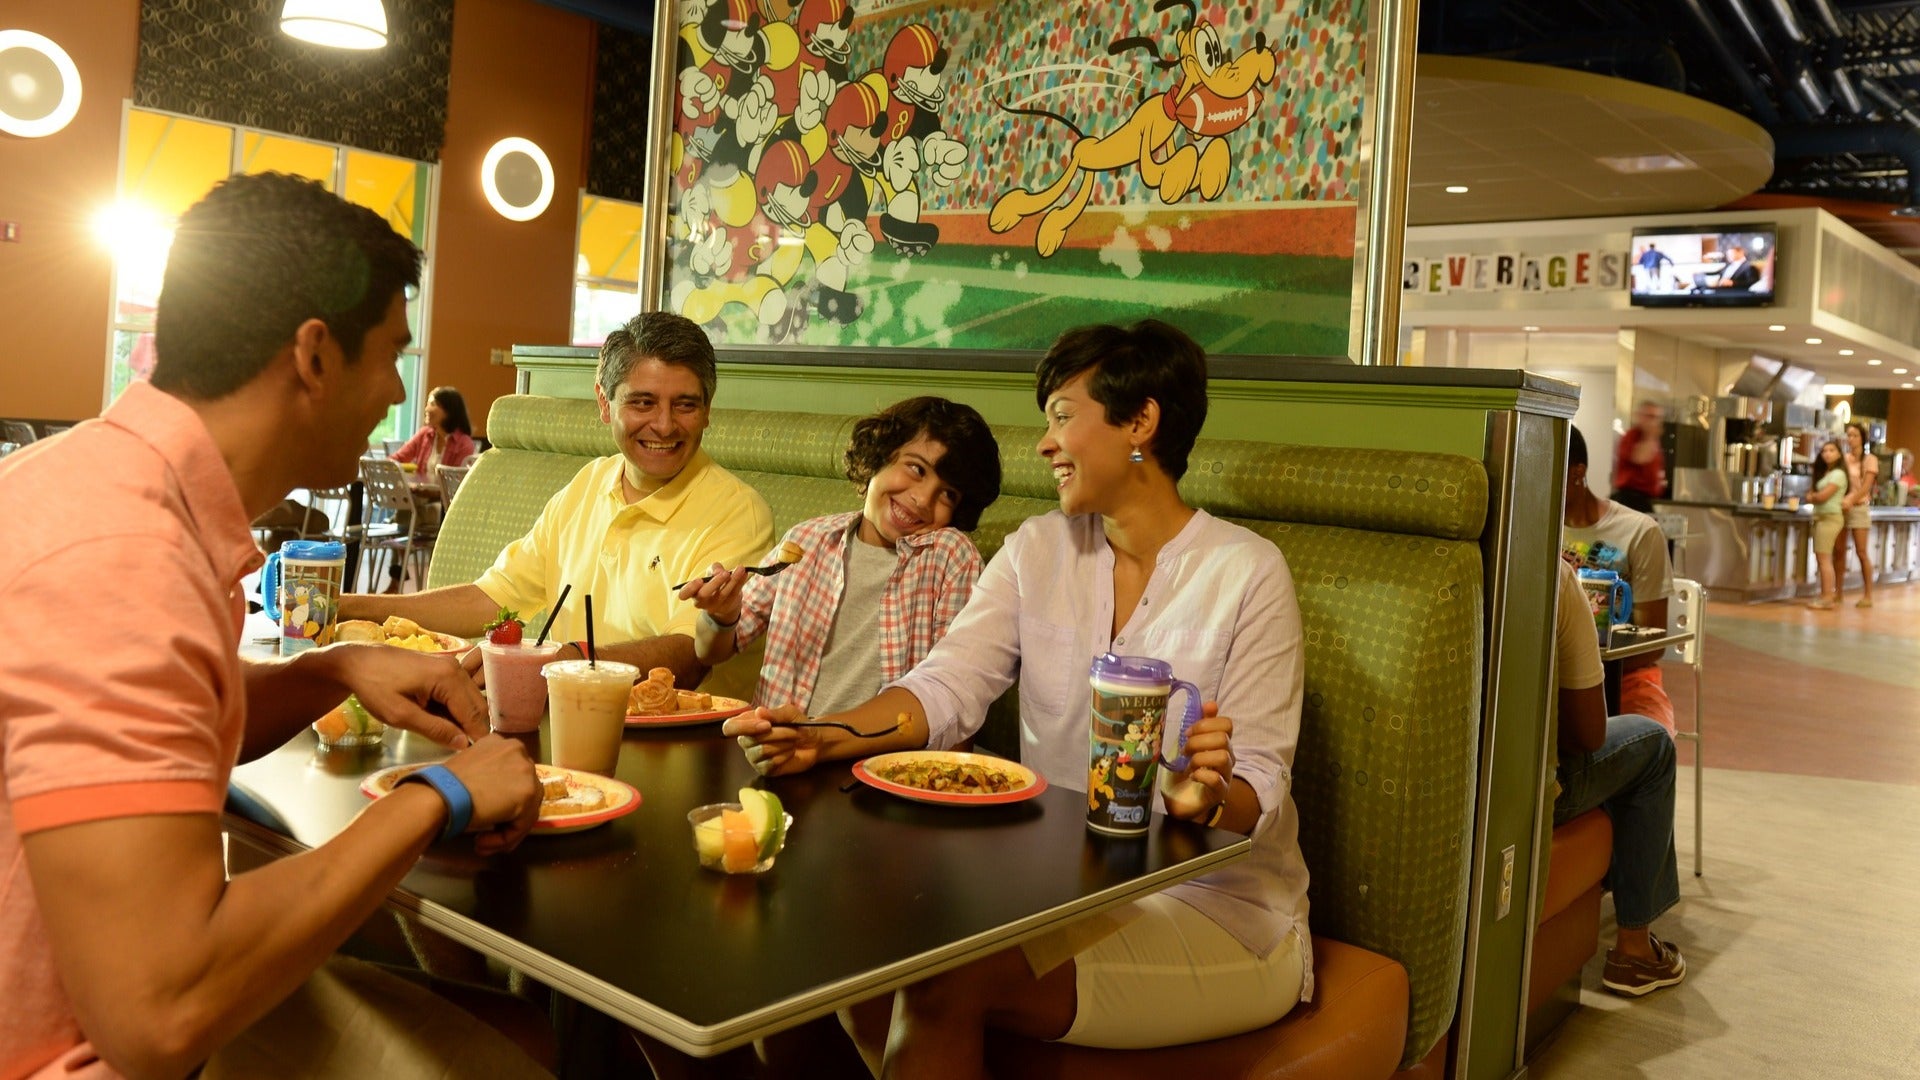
x=124 y=702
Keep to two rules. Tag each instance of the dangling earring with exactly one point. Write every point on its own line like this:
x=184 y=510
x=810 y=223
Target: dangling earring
x=1136 y=457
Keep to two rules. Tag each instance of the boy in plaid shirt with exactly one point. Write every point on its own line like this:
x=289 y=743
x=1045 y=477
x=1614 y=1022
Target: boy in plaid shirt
x=875 y=588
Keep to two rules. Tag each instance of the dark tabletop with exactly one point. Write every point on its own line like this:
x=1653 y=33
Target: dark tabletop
x=871 y=892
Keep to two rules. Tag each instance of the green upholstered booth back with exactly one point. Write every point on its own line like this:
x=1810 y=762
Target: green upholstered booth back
x=1384 y=549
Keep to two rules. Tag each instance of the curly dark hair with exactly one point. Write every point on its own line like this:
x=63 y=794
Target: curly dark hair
x=255 y=258
x=1148 y=361
x=971 y=463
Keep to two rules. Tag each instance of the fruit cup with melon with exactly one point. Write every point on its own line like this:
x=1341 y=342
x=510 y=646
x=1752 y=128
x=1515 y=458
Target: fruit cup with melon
x=349 y=724
x=742 y=837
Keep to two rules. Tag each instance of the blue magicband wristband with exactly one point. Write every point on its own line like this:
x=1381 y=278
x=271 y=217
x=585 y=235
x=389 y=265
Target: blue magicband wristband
x=458 y=799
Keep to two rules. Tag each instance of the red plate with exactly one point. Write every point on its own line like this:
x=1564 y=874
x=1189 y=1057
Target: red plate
x=723 y=707
x=862 y=771
x=622 y=798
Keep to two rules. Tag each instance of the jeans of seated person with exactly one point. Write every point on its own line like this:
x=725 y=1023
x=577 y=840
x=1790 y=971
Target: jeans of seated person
x=1643 y=692
x=1631 y=777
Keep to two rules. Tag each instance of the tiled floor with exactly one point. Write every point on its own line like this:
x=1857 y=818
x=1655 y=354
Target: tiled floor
x=1800 y=937
x=1812 y=693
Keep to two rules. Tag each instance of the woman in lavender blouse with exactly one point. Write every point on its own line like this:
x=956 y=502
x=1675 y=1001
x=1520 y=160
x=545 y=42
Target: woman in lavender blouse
x=1124 y=566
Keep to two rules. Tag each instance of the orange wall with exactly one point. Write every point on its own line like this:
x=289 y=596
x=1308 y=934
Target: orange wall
x=1903 y=420
x=518 y=69
x=56 y=282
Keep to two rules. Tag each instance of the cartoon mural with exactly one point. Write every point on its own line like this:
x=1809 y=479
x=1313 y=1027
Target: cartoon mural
x=956 y=173
x=1215 y=96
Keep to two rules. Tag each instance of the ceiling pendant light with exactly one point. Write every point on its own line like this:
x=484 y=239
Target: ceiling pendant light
x=341 y=24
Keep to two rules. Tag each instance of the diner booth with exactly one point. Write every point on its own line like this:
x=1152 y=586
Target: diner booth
x=1329 y=461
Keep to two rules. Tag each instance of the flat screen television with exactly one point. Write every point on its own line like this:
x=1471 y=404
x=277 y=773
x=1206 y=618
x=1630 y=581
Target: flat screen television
x=1720 y=266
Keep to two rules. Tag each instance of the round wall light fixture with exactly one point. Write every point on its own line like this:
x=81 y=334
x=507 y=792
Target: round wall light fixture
x=39 y=85
x=339 y=24
x=517 y=179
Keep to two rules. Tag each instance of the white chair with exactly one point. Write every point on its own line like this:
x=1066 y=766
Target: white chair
x=408 y=530
x=17 y=432
x=450 y=478
x=1674 y=527
x=1687 y=611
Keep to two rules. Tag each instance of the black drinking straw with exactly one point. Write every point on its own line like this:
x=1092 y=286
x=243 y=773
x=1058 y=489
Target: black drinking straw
x=552 y=615
x=590 y=649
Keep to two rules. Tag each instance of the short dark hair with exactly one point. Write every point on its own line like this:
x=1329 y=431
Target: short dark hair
x=455 y=407
x=1576 y=447
x=255 y=258
x=1149 y=360
x=971 y=463
x=659 y=335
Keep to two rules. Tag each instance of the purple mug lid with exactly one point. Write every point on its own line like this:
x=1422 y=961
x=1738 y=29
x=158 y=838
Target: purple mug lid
x=1137 y=669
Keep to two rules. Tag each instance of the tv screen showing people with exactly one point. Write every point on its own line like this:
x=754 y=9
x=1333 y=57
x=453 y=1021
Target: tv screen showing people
x=1688 y=267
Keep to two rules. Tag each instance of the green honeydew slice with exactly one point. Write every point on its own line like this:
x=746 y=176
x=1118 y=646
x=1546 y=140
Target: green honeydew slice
x=768 y=818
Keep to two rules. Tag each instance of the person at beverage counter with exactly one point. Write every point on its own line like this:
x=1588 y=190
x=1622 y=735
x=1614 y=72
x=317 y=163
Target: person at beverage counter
x=1863 y=476
x=1125 y=566
x=1828 y=496
x=124 y=947
x=628 y=526
x=1639 y=465
x=1624 y=764
x=1606 y=535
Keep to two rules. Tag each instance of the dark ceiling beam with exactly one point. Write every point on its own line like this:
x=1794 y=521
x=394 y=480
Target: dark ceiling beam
x=1756 y=98
x=1895 y=139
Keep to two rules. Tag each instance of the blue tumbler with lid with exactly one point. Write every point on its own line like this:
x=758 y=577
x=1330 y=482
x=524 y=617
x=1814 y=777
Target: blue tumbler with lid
x=301 y=587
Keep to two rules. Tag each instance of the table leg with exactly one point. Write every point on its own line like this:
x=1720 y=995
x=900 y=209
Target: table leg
x=1699 y=745
x=356 y=516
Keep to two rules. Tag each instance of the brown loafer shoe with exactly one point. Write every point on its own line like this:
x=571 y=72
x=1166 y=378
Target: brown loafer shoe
x=1634 y=977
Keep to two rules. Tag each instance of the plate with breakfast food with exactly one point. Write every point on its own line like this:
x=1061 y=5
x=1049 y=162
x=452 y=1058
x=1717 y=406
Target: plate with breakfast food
x=655 y=702
x=401 y=634
x=950 y=777
x=570 y=800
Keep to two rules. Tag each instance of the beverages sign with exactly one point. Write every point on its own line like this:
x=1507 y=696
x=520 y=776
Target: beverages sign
x=1514 y=271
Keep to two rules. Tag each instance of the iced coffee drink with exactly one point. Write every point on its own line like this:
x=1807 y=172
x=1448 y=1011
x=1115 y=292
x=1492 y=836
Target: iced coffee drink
x=587 y=711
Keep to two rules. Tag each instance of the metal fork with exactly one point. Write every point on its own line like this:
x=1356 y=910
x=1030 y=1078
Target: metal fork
x=763 y=571
x=855 y=732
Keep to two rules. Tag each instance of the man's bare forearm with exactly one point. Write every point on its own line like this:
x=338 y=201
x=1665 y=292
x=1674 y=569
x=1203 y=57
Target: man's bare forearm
x=160 y=980
x=673 y=651
x=461 y=610
x=286 y=694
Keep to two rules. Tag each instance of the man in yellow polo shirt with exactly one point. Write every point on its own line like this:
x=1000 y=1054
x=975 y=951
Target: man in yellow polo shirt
x=626 y=527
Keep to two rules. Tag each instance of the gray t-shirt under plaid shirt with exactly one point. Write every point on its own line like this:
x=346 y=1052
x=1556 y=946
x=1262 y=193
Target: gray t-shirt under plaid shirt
x=850 y=668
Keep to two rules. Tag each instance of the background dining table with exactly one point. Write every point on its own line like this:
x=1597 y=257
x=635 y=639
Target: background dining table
x=871 y=892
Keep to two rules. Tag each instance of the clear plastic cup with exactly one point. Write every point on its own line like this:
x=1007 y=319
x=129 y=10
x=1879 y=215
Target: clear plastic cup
x=587 y=712
x=516 y=690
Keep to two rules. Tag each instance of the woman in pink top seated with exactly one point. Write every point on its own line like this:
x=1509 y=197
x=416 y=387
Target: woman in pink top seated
x=1124 y=566
x=445 y=438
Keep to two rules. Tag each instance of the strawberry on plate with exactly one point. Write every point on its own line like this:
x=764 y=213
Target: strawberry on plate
x=506 y=628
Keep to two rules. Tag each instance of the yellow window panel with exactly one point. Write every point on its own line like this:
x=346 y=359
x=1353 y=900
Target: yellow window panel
x=394 y=188
x=171 y=162
x=276 y=153
x=610 y=238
